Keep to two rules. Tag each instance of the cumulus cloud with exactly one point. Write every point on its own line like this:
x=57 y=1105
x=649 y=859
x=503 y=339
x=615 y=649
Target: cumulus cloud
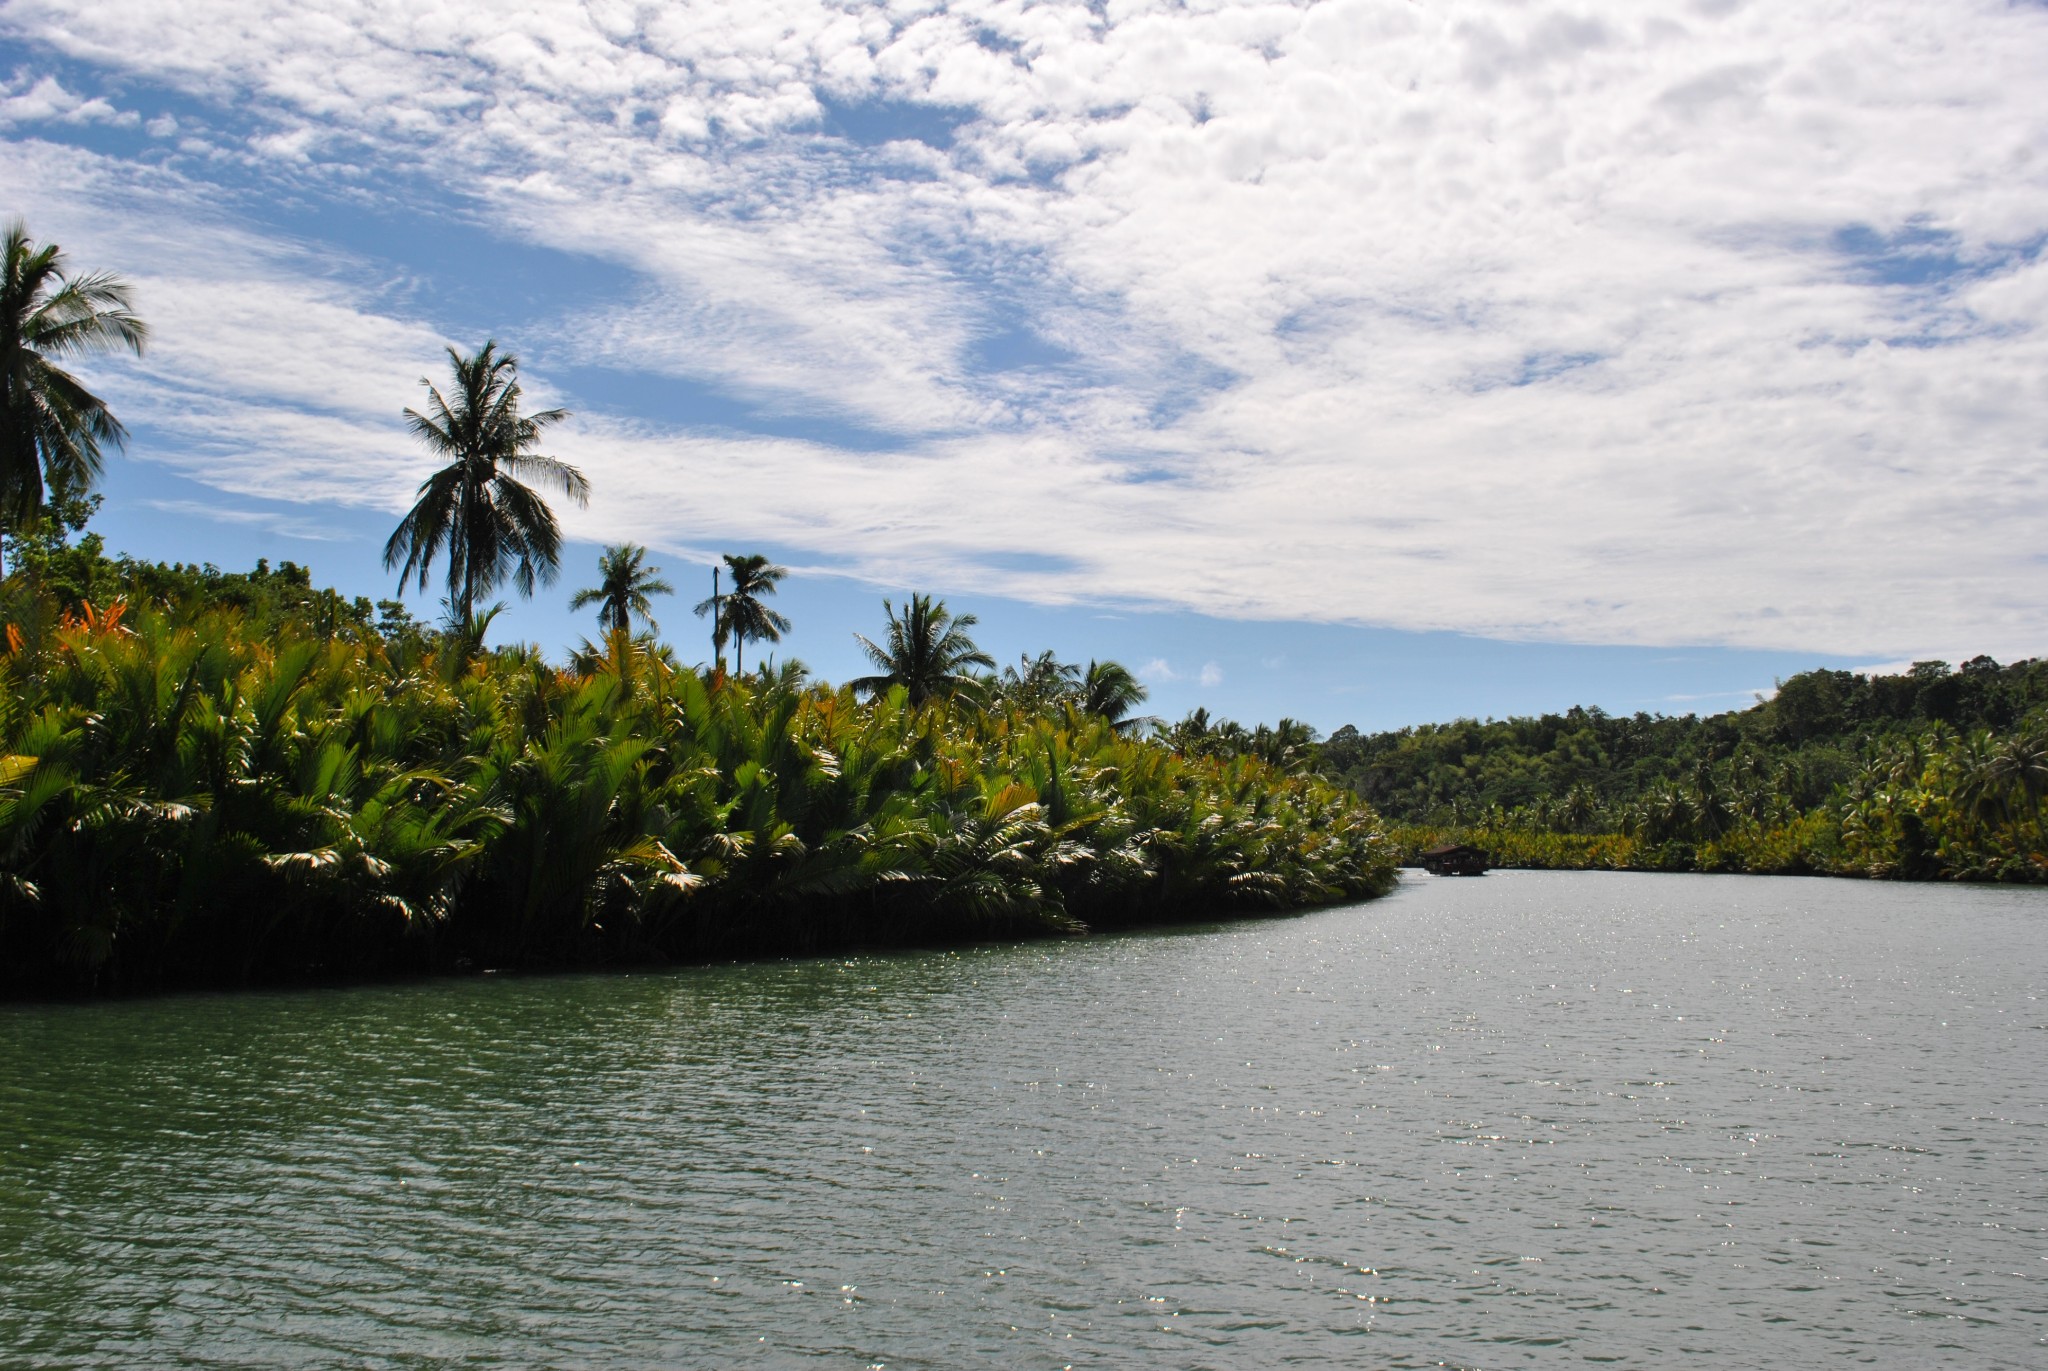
x=1644 y=322
x=37 y=100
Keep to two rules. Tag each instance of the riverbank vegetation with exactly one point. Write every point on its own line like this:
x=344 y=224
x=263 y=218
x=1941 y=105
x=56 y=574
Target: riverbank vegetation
x=1931 y=774
x=197 y=793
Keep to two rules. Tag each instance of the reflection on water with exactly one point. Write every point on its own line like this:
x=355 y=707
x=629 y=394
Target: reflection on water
x=1534 y=1119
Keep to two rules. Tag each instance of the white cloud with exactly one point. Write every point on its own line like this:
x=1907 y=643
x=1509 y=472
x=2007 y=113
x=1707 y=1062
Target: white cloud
x=45 y=100
x=267 y=372
x=288 y=525
x=1757 y=694
x=1160 y=673
x=1502 y=318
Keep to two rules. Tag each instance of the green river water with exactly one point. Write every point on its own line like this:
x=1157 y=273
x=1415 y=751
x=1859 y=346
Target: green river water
x=1535 y=1119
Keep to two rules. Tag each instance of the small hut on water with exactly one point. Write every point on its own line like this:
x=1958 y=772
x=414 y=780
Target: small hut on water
x=1454 y=859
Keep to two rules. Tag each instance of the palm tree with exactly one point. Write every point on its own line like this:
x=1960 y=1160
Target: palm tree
x=741 y=615
x=1581 y=807
x=465 y=636
x=1713 y=814
x=1110 y=692
x=1190 y=735
x=1038 y=683
x=52 y=429
x=928 y=652
x=2000 y=782
x=1288 y=745
x=477 y=507
x=623 y=585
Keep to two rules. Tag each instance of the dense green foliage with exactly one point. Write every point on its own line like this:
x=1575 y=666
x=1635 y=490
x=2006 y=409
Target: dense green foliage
x=59 y=567
x=1934 y=773
x=196 y=794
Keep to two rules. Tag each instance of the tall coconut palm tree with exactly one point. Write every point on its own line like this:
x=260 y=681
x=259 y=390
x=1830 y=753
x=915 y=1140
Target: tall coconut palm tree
x=53 y=431
x=928 y=654
x=623 y=585
x=477 y=508
x=741 y=615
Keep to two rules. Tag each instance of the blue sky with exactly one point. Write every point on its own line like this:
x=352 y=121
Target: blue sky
x=1355 y=361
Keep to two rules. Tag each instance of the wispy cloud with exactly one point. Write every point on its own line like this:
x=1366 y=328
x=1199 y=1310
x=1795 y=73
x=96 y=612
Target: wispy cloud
x=1647 y=322
x=1746 y=696
x=287 y=525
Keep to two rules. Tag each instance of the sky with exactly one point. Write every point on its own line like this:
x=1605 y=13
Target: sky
x=1360 y=361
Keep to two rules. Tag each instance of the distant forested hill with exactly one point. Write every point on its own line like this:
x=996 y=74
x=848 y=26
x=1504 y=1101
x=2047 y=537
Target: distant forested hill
x=1936 y=771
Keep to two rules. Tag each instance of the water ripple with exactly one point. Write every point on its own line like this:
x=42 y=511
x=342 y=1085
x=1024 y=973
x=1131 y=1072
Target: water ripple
x=1534 y=1120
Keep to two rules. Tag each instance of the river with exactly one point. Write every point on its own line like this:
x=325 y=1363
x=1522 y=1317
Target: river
x=1533 y=1119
